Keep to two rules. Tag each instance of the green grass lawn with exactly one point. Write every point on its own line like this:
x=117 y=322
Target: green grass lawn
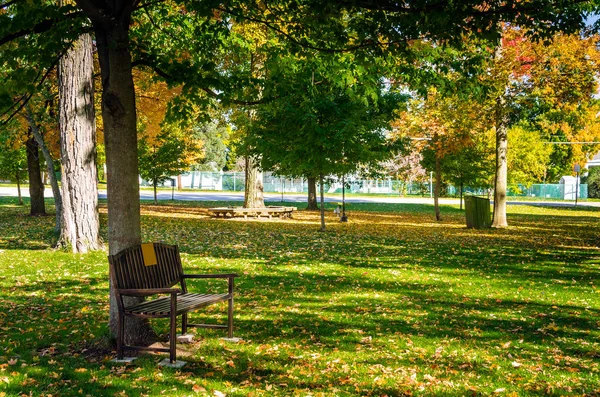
x=391 y=303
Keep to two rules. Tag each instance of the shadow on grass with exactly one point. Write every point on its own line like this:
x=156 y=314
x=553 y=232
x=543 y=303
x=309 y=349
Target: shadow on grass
x=373 y=295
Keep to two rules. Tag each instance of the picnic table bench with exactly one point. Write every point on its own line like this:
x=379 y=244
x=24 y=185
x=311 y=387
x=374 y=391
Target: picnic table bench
x=155 y=269
x=270 y=211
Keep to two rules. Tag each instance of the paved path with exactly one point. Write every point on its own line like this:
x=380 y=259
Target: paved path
x=298 y=198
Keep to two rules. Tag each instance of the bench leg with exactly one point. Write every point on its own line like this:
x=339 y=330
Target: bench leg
x=230 y=318
x=120 y=335
x=173 y=336
x=184 y=323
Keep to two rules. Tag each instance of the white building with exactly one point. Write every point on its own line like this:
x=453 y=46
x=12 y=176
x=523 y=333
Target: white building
x=594 y=162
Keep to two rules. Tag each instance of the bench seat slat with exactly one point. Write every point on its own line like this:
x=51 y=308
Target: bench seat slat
x=185 y=303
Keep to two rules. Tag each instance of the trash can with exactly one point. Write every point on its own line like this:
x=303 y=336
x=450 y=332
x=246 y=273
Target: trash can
x=477 y=212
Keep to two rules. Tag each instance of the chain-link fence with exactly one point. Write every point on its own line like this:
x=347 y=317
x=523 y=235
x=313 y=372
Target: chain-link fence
x=234 y=181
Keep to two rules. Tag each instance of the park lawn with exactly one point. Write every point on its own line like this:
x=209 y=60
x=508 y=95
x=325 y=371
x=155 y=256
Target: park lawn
x=391 y=303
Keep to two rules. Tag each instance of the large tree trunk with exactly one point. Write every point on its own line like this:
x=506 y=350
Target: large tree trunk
x=312 y=194
x=501 y=179
x=80 y=226
x=254 y=192
x=120 y=138
x=49 y=166
x=436 y=192
x=36 y=186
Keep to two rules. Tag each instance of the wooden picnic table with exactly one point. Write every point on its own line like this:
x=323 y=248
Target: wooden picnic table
x=270 y=211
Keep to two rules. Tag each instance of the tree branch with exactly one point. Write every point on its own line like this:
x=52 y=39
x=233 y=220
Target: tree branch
x=8 y=4
x=393 y=6
x=398 y=7
x=27 y=96
x=40 y=27
x=149 y=4
x=159 y=28
x=366 y=44
x=210 y=92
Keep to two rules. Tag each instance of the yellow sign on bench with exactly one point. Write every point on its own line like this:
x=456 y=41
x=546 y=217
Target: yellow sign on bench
x=149 y=254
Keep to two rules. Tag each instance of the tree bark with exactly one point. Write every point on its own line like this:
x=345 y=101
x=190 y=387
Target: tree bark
x=436 y=192
x=312 y=194
x=322 y=189
x=120 y=138
x=49 y=166
x=461 y=195
x=18 y=179
x=501 y=120
x=36 y=186
x=254 y=189
x=80 y=226
x=501 y=178
x=154 y=183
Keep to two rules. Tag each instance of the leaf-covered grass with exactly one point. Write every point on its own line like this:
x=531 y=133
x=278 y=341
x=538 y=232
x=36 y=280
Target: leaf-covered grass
x=391 y=303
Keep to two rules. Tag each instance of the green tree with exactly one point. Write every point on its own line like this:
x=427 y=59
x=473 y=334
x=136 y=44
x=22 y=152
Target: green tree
x=593 y=182
x=333 y=120
x=167 y=154
x=13 y=166
x=472 y=166
x=214 y=151
x=528 y=156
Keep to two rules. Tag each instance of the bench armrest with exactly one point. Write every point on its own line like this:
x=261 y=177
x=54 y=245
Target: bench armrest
x=229 y=275
x=149 y=291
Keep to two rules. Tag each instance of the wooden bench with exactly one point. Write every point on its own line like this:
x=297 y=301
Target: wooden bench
x=283 y=212
x=155 y=269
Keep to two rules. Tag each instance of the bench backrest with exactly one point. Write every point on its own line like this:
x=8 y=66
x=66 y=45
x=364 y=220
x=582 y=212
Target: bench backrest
x=129 y=271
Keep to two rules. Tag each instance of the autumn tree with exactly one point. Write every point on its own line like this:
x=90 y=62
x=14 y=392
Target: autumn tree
x=452 y=127
x=406 y=166
x=528 y=156
x=548 y=84
x=468 y=166
x=169 y=153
